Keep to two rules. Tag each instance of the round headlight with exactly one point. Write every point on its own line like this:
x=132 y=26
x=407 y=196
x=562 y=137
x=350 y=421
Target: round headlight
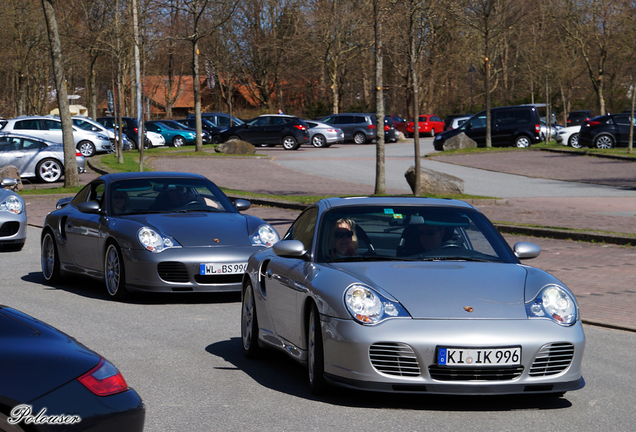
x=265 y=235
x=554 y=302
x=368 y=307
x=12 y=204
x=152 y=241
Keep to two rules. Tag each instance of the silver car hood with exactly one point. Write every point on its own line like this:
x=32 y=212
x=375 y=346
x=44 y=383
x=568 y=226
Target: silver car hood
x=445 y=290
x=200 y=229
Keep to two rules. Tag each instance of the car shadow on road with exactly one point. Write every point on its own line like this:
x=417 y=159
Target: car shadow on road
x=95 y=289
x=276 y=371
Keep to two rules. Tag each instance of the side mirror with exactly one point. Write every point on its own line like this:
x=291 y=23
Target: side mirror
x=242 y=205
x=9 y=182
x=525 y=250
x=91 y=207
x=289 y=249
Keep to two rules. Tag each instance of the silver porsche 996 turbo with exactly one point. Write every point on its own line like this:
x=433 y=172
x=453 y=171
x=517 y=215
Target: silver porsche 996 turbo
x=153 y=232
x=411 y=295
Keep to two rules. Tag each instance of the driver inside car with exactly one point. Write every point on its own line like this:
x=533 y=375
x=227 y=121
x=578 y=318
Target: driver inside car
x=430 y=237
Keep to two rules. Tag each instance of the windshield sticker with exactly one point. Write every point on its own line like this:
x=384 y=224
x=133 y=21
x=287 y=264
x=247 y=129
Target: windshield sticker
x=388 y=211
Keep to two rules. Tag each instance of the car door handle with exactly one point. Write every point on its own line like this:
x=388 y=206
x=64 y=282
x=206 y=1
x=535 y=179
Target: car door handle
x=269 y=274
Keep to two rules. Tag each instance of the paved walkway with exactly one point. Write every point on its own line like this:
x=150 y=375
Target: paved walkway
x=602 y=276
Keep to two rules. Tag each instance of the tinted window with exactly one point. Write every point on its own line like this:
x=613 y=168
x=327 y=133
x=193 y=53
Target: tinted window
x=360 y=119
x=622 y=120
x=345 y=119
x=512 y=117
x=27 y=125
x=476 y=122
x=51 y=125
x=278 y=120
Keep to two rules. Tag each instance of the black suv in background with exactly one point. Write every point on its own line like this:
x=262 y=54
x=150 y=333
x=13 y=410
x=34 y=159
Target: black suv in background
x=219 y=119
x=271 y=130
x=604 y=132
x=206 y=125
x=361 y=127
x=579 y=117
x=514 y=125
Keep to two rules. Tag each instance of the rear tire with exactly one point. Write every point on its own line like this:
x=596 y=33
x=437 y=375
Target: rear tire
x=522 y=141
x=290 y=143
x=319 y=141
x=604 y=142
x=49 y=170
x=359 y=138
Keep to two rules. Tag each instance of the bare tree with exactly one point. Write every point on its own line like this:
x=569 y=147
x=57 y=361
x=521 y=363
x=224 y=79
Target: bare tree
x=71 y=178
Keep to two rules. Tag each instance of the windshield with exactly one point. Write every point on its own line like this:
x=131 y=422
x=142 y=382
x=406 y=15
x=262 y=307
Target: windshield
x=408 y=233
x=166 y=195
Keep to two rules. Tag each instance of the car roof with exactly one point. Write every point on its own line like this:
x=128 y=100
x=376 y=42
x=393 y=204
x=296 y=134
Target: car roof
x=149 y=175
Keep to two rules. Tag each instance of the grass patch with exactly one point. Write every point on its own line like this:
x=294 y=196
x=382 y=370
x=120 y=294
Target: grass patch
x=573 y=230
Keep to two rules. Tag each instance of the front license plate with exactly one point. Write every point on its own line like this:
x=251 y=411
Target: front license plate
x=226 y=268
x=459 y=357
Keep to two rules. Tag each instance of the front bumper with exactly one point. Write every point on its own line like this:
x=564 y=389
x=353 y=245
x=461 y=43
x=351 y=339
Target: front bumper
x=13 y=228
x=348 y=361
x=177 y=269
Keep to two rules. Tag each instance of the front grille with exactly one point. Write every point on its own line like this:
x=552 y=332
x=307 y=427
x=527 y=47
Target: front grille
x=218 y=279
x=171 y=271
x=474 y=374
x=9 y=228
x=552 y=359
x=393 y=358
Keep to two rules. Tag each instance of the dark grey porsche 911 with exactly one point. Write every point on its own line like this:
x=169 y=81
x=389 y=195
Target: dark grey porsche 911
x=164 y=232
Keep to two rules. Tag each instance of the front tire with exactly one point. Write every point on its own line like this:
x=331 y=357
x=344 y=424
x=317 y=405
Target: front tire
x=604 y=142
x=522 y=141
x=573 y=141
x=319 y=141
x=114 y=273
x=178 y=141
x=359 y=138
x=249 y=324
x=290 y=143
x=49 y=259
x=315 y=354
x=49 y=170
x=86 y=148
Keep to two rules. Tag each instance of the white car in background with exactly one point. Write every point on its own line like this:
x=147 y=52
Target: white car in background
x=88 y=124
x=457 y=122
x=156 y=139
x=569 y=136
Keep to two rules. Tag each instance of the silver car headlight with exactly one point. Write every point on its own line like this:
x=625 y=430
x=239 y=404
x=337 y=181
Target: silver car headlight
x=12 y=204
x=102 y=137
x=152 y=241
x=265 y=235
x=555 y=303
x=368 y=307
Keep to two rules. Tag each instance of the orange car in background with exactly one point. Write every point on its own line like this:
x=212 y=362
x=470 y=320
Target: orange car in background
x=429 y=125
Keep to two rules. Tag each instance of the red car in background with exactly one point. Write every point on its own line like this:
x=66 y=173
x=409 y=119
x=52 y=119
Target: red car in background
x=429 y=124
x=400 y=123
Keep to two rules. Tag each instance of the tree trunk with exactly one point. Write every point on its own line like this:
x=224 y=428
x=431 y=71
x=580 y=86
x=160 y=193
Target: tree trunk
x=71 y=177
x=416 y=99
x=197 y=93
x=380 y=180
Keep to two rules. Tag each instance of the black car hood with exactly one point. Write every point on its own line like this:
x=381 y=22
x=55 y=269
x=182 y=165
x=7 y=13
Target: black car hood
x=36 y=358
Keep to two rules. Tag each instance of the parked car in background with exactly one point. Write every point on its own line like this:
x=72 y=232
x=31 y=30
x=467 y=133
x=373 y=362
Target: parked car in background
x=430 y=125
x=400 y=123
x=50 y=129
x=361 y=127
x=88 y=124
x=45 y=371
x=554 y=129
x=129 y=127
x=605 y=132
x=34 y=157
x=322 y=135
x=206 y=138
x=569 y=136
x=13 y=217
x=175 y=137
x=448 y=121
x=206 y=125
x=457 y=122
x=514 y=125
x=164 y=232
x=579 y=117
x=155 y=139
x=271 y=130
x=220 y=119
x=411 y=295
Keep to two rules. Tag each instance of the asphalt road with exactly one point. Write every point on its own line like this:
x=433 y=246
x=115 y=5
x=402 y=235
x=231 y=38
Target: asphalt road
x=183 y=355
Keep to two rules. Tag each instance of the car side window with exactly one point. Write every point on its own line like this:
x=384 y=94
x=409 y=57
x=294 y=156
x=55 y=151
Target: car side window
x=477 y=122
x=329 y=120
x=304 y=227
x=622 y=120
x=97 y=193
x=345 y=119
x=27 y=125
x=435 y=118
x=81 y=195
x=278 y=120
x=51 y=125
x=28 y=144
x=258 y=122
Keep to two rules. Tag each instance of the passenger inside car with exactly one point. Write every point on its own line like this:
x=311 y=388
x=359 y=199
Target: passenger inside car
x=341 y=239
